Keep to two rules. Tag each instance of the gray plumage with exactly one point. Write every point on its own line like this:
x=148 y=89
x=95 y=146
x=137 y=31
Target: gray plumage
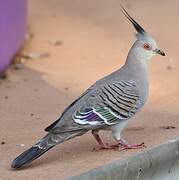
x=106 y=105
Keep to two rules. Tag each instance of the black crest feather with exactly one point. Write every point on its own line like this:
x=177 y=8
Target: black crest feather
x=138 y=28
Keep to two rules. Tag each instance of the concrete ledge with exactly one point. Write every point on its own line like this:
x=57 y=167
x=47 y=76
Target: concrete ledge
x=159 y=162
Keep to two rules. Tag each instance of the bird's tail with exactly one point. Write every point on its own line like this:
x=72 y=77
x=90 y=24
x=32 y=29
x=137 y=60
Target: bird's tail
x=28 y=156
x=42 y=146
x=32 y=153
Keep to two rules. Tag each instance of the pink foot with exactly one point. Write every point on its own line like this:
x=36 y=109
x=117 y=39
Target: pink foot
x=122 y=143
x=126 y=145
x=112 y=146
x=101 y=147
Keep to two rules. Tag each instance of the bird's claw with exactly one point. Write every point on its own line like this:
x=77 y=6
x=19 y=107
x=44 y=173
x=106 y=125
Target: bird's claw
x=104 y=147
x=124 y=146
x=132 y=146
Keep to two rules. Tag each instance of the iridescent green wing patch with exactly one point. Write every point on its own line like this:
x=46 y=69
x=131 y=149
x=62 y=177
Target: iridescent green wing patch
x=96 y=116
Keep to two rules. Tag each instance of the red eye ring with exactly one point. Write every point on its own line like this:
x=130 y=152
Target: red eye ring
x=147 y=46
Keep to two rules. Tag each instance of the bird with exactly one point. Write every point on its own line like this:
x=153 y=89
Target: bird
x=108 y=104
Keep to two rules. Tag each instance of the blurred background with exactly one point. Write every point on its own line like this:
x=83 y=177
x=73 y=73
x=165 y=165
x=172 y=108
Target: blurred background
x=57 y=49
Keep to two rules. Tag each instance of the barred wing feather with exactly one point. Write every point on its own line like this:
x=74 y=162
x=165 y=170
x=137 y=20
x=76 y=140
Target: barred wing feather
x=120 y=101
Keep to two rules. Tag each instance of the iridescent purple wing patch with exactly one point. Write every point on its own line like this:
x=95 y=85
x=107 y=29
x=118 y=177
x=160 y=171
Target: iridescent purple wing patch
x=96 y=116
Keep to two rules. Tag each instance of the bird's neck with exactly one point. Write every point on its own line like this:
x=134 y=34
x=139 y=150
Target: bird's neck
x=138 y=62
x=137 y=68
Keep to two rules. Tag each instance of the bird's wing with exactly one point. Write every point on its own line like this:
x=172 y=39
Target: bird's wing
x=116 y=101
x=51 y=126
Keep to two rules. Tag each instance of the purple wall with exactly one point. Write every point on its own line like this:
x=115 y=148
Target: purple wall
x=13 y=14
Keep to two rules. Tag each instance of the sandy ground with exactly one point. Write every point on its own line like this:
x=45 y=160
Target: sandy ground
x=95 y=40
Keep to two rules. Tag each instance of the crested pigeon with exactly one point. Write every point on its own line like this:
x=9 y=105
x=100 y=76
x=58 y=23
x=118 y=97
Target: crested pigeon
x=108 y=104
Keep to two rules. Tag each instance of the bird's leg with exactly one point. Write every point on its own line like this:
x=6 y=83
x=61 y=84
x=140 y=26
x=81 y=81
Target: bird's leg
x=125 y=145
x=120 y=143
x=100 y=142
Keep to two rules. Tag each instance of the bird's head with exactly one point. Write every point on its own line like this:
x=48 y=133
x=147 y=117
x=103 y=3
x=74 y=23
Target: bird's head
x=145 y=43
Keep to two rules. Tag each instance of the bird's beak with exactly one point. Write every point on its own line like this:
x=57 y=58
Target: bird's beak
x=158 y=51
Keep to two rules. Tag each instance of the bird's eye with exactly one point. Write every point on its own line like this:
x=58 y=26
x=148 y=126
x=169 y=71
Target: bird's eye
x=147 y=46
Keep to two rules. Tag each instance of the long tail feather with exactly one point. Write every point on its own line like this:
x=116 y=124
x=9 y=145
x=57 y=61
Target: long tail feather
x=42 y=146
x=28 y=156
